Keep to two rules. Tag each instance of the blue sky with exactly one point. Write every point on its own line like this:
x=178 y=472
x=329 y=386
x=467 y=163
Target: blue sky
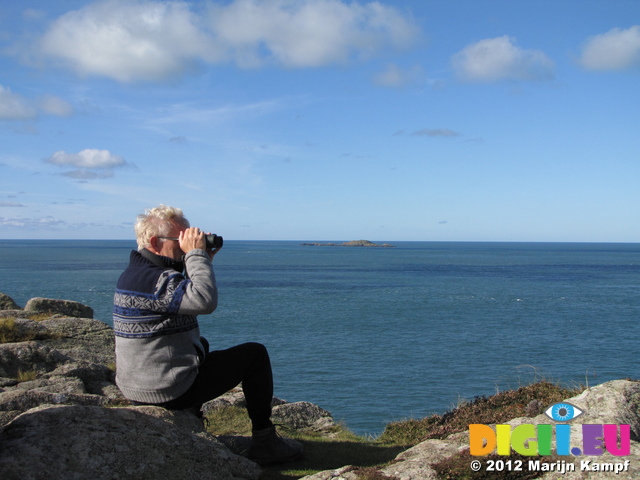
x=473 y=120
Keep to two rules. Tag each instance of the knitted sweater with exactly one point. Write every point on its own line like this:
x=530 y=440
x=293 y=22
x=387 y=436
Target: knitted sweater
x=157 y=337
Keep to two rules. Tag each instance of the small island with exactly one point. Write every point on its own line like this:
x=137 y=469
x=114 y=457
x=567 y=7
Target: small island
x=352 y=243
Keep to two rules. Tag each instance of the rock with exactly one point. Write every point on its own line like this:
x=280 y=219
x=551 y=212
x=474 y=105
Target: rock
x=70 y=361
x=352 y=243
x=83 y=339
x=233 y=398
x=28 y=357
x=60 y=307
x=303 y=416
x=363 y=243
x=415 y=463
x=343 y=473
x=71 y=383
x=79 y=338
x=7 y=303
x=73 y=442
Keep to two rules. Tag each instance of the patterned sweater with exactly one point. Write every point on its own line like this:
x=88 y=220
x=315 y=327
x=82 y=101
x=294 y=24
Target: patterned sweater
x=158 y=347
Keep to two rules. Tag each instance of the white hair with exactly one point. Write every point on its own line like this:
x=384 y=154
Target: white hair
x=157 y=222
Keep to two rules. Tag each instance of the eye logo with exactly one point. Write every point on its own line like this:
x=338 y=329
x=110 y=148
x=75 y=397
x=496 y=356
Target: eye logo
x=529 y=439
x=563 y=412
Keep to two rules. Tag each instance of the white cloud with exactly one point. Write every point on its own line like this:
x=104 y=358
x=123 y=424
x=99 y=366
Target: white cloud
x=618 y=49
x=88 y=158
x=89 y=163
x=308 y=33
x=496 y=59
x=15 y=107
x=146 y=40
x=129 y=40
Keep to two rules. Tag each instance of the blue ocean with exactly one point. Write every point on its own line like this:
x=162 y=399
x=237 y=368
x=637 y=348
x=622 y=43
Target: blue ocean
x=381 y=334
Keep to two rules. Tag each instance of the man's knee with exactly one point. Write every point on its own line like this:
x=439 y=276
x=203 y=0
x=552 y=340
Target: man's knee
x=255 y=347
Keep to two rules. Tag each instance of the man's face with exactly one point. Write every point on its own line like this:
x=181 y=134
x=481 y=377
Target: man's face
x=171 y=248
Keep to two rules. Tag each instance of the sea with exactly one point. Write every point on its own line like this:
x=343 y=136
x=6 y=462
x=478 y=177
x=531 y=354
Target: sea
x=376 y=335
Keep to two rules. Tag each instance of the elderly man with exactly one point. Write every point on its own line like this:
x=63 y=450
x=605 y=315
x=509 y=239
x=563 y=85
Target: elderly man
x=160 y=357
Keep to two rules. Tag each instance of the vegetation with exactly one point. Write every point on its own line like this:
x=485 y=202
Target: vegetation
x=529 y=401
x=11 y=332
x=342 y=447
x=27 y=376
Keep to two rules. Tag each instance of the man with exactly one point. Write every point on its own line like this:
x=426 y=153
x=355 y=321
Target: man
x=160 y=357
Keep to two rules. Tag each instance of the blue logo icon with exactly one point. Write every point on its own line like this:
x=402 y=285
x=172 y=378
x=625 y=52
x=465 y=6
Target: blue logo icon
x=563 y=412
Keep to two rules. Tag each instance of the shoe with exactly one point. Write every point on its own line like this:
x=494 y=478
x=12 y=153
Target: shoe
x=268 y=448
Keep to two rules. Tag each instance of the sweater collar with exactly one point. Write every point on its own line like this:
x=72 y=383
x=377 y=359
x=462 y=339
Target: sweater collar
x=162 y=261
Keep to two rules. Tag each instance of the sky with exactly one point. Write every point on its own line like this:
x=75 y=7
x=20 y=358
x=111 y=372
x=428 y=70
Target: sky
x=425 y=120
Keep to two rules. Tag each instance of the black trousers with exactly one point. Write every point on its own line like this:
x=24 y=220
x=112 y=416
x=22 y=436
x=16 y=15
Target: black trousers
x=223 y=370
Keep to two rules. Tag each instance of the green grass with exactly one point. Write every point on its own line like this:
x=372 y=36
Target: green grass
x=368 y=455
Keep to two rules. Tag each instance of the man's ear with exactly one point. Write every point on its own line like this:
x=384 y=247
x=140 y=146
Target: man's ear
x=154 y=245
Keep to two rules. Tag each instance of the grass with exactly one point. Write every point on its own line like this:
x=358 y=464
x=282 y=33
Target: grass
x=369 y=455
x=27 y=376
x=11 y=333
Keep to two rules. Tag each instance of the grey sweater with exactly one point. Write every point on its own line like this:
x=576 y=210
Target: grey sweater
x=157 y=337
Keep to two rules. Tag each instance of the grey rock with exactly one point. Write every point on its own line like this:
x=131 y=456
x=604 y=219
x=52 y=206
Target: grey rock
x=303 y=416
x=70 y=361
x=72 y=442
x=7 y=303
x=20 y=400
x=233 y=398
x=82 y=339
x=27 y=357
x=342 y=473
x=59 y=307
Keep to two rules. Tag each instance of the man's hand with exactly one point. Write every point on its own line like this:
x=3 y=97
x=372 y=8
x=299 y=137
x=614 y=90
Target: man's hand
x=192 y=238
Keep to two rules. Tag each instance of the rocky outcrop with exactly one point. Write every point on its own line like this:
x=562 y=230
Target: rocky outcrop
x=59 y=307
x=352 y=243
x=7 y=303
x=143 y=443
